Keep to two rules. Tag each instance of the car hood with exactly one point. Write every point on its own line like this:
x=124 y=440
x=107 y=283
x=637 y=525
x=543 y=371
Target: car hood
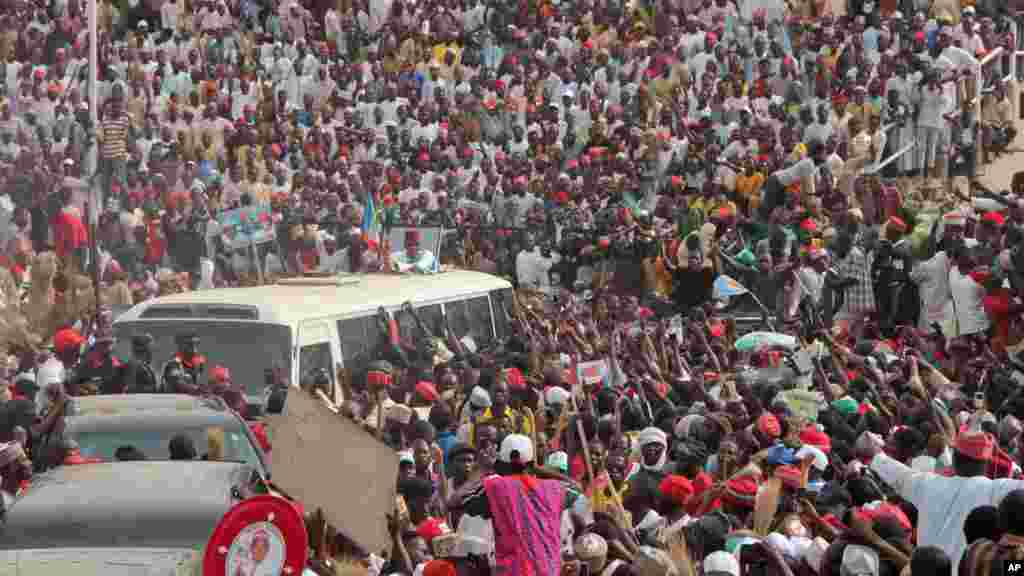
x=100 y=562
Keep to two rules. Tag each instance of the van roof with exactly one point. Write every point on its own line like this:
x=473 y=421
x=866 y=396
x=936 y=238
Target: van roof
x=293 y=300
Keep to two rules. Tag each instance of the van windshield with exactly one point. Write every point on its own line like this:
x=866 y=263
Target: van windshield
x=247 y=349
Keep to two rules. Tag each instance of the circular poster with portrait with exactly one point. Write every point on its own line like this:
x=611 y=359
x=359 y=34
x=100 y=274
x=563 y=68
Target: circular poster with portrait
x=258 y=550
x=262 y=536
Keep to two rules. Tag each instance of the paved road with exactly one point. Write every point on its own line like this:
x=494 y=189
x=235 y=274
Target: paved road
x=997 y=175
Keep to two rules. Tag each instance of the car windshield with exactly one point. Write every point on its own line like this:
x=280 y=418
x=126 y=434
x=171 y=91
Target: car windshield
x=155 y=444
x=248 y=350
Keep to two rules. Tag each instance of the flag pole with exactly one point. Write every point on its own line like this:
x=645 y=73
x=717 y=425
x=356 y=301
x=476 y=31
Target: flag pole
x=93 y=207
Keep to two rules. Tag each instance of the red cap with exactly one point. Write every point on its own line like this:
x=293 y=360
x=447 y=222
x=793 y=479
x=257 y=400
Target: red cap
x=220 y=374
x=439 y=568
x=514 y=378
x=876 y=510
x=741 y=491
x=427 y=391
x=67 y=339
x=981 y=276
x=769 y=425
x=897 y=224
x=994 y=218
x=814 y=437
x=676 y=488
x=977 y=445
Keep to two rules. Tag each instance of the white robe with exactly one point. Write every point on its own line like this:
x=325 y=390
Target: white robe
x=932 y=278
x=968 y=303
x=943 y=503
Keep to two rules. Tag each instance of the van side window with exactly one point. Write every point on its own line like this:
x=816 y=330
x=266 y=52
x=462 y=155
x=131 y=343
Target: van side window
x=458 y=317
x=501 y=299
x=480 y=320
x=312 y=359
x=358 y=336
x=430 y=315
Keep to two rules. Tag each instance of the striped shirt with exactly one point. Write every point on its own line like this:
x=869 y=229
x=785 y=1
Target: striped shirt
x=115 y=137
x=986 y=558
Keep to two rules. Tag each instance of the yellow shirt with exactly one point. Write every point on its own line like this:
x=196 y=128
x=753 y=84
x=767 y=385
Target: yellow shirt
x=711 y=206
x=440 y=50
x=521 y=423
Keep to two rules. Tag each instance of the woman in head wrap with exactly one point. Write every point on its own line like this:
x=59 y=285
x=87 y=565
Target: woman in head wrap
x=653 y=445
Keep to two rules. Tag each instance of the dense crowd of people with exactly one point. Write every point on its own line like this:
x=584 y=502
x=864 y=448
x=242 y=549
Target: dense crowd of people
x=638 y=170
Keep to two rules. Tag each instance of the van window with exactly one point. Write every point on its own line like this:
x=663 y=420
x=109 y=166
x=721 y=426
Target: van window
x=501 y=299
x=358 y=336
x=458 y=317
x=312 y=359
x=430 y=315
x=471 y=318
x=480 y=320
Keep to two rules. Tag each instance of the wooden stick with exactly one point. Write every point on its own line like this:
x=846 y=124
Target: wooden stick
x=586 y=452
x=439 y=461
x=380 y=415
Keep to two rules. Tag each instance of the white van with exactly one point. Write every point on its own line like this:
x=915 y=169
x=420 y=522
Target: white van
x=302 y=325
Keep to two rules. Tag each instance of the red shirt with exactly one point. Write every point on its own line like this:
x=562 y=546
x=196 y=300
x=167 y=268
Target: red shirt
x=69 y=234
x=997 y=305
x=191 y=363
x=154 y=242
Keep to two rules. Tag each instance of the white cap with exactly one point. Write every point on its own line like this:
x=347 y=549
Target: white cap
x=518 y=447
x=924 y=463
x=820 y=459
x=479 y=398
x=559 y=461
x=556 y=395
x=721 y=563
x=859 y=561
x=405 y=457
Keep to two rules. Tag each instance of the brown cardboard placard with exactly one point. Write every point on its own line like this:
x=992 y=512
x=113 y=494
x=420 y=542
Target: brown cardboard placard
x=326 y=461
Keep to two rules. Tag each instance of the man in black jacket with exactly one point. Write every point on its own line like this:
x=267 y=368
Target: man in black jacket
x=137 y=375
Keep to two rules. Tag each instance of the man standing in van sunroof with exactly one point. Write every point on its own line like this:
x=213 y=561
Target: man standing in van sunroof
x=412 y=258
